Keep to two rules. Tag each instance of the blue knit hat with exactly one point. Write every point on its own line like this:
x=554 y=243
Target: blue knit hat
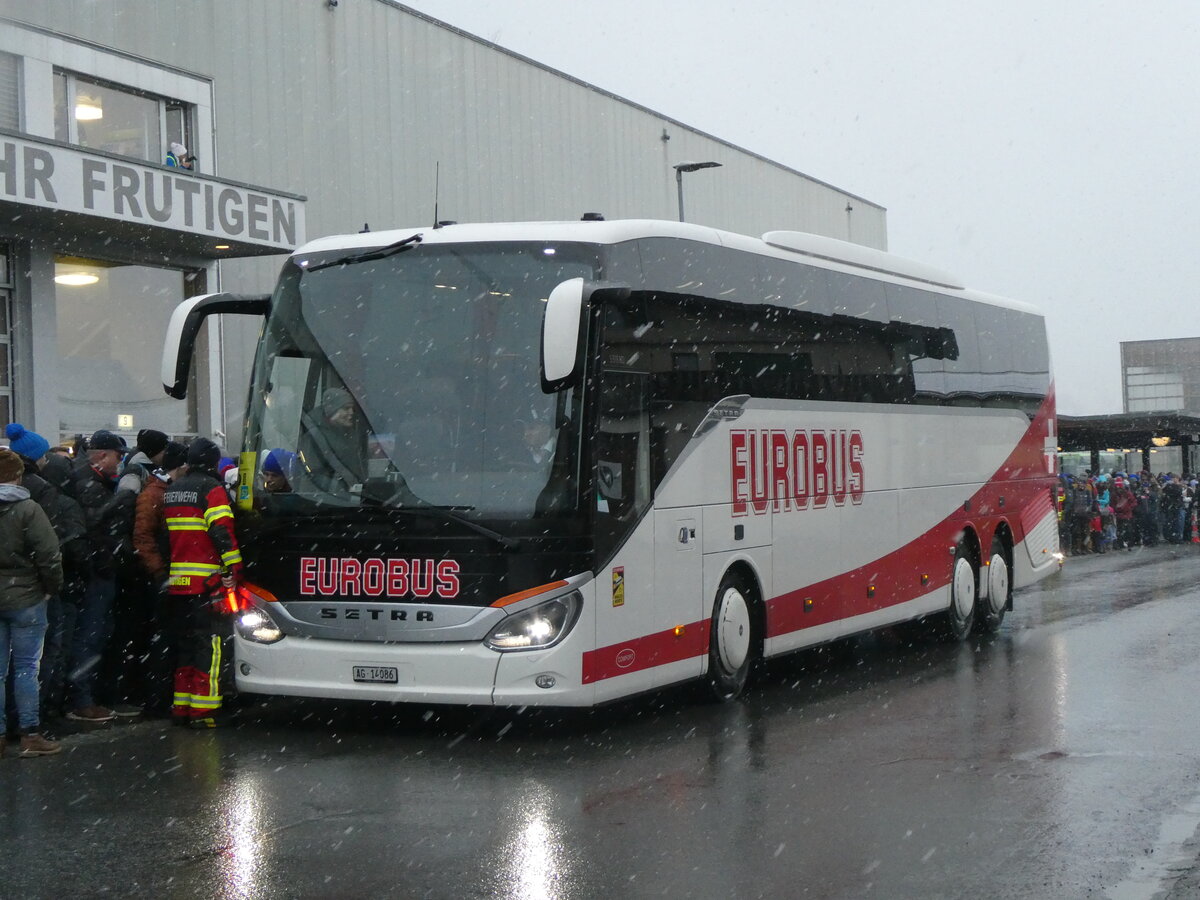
x=29 y=444
x=279 y=461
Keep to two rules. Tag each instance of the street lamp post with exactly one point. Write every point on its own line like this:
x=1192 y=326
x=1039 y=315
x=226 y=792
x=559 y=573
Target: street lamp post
x=680 y=168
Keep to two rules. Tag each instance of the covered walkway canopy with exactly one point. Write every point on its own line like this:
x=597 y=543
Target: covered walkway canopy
x=1131 y=431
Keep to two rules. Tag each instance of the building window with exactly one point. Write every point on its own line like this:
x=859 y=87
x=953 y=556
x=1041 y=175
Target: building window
x=1153 y=388
x=112 y=321
x=10 y=92
x=115 y=119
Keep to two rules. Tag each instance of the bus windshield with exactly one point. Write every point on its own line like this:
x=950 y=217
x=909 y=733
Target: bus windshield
x=411 y=380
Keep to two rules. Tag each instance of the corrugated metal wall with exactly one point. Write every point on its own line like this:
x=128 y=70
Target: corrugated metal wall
x=356 y=106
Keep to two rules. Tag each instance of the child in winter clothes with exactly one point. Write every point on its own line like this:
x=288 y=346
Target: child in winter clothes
x=1108 y=521
x=1097 y=533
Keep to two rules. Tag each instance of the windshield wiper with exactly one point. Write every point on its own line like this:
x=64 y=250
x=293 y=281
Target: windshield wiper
x=445 y=514
x=381 y=253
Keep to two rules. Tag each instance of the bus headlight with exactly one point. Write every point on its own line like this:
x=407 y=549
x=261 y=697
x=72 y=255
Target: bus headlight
x=255 y=625
x=539 y=626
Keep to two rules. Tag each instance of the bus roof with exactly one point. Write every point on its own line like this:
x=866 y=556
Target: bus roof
x=818 y=250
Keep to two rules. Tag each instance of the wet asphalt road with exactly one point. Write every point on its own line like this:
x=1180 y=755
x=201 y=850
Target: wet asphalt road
x=1060 y=758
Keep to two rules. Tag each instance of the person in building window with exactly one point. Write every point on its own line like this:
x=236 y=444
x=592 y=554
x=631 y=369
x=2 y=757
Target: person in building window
x=30 y=572
x=205 y=562
x=178 y=157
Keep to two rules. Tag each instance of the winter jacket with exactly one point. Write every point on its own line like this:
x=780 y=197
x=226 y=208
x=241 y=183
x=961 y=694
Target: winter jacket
x=137 y=473
x=1172 y=496
x=109 y=515
x=30 y=564
x=200 y=526
x=47 y=488
x=150 y=538
x=1124 y=504
x=68 y=520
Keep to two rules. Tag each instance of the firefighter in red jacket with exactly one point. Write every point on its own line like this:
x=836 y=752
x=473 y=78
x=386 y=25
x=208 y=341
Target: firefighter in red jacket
x=205 y=564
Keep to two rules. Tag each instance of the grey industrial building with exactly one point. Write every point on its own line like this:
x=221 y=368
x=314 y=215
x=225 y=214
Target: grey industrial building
x=1159 y=429
x=306 y=117
x=1162 y=375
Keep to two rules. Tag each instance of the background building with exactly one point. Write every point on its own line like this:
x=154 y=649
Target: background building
x=307 y=117
x=1161 y=375
x=1159 y=429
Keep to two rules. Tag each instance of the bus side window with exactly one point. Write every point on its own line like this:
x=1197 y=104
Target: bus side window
x=284 y=400
x=623 y=445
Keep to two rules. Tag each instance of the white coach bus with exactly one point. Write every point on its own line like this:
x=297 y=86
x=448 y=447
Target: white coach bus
x=563 y=463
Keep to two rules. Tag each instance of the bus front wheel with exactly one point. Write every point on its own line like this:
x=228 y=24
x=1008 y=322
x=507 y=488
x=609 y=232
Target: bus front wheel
x=732 y=643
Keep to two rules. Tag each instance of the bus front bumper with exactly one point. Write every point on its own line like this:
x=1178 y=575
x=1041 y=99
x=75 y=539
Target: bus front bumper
x=450 y=673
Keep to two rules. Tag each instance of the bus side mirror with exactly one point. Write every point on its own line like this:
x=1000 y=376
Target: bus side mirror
x=564 y=329
x=185 y=325
x=562 y=336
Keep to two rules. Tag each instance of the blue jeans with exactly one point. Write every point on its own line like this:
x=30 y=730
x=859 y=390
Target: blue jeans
x=93 y=627
x=21 y=634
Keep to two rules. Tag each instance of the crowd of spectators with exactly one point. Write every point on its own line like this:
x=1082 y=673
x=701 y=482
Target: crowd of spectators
x=1120 y=511
x=110 y=559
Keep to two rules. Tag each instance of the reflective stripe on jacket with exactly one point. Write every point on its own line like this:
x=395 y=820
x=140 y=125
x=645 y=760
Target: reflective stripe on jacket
x=200 y=529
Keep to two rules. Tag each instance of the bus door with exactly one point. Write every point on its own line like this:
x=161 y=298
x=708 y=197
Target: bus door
x=628 y=613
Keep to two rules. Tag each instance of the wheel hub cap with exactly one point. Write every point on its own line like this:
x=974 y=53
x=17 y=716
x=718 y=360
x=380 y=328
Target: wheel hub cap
x=733 y=630
x=998 y=583
x=964 y=588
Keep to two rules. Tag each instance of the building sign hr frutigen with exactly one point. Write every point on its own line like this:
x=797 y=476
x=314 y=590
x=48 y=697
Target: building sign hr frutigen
x=62 y=178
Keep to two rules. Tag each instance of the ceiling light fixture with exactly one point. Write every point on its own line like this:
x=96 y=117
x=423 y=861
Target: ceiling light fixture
x=88 y=112
x=76 y=279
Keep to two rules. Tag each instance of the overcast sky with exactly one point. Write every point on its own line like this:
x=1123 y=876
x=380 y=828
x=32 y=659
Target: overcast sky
x=1043 y=151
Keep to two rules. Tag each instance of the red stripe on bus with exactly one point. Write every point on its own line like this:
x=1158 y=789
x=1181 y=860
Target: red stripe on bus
x=1023 y=483
x=646 y=652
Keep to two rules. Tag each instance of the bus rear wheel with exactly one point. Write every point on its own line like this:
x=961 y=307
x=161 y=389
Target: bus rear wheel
x=957 y=621
x=999 y=581
x=732 y=642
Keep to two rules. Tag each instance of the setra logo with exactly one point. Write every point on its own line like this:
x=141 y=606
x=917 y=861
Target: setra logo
x=625 y=658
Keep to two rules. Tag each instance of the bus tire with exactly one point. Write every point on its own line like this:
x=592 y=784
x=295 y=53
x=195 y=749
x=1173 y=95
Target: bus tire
x=955 y=623
x=732 y=641
x=999 y=579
